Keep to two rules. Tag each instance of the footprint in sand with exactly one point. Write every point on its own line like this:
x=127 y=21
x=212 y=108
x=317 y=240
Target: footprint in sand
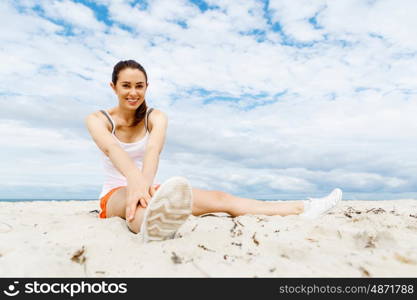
x=4 y=227
x=380 y=239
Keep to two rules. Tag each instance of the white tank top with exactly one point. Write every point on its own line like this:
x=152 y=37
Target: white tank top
x=112 y=177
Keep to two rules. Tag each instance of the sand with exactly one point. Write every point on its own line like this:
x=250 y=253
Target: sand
x=67 y=239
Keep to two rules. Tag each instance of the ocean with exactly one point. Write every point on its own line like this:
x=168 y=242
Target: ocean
x=277 y=197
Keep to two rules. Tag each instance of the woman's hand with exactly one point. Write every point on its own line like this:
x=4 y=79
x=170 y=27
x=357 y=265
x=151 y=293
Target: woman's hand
x=137 y=194
x=153 y=188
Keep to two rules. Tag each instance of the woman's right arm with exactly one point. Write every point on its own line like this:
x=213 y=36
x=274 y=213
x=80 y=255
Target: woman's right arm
x=136 y=191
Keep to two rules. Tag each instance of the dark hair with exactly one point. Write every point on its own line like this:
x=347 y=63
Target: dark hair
x=131 y=64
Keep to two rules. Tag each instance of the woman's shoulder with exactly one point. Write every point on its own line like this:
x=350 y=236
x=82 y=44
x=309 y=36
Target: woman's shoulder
x=157 y=117
x=98 y=116
x=157 y=114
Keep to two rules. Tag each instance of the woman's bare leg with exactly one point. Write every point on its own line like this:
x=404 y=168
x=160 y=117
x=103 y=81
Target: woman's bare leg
x=205 y=201
x=116 y=207
x=216 y=201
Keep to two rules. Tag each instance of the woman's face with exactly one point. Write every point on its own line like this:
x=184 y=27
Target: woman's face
x=130 y=88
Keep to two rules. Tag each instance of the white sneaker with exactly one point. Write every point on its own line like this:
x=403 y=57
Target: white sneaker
x=315 y=207
x=168 y=209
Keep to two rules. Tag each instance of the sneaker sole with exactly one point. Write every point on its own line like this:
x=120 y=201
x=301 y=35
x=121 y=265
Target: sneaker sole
x=168 y=209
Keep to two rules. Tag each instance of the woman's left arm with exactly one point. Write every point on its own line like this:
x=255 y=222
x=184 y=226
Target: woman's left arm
x=157 y=124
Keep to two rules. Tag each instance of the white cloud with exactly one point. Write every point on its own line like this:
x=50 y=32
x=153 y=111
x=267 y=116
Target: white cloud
x=293 y=16
x=75 y=14
x=345 y=116
x=18 y=30
x=45 y=157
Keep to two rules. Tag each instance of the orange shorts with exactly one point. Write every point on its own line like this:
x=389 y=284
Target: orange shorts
x=103 y=201
x=106 y=197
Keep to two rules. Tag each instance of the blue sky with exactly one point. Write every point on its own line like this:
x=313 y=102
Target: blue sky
x=265 y=99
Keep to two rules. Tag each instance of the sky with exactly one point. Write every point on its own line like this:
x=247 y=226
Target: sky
x=273 y=100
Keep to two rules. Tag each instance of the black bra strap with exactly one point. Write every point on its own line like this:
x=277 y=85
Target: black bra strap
x=112 y=124
x=108 y=118
x=147 y=117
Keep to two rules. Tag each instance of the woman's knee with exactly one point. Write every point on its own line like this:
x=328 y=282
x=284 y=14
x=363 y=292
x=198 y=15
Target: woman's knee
x=116 y=205
x=135 y=224
x=222 y=196
x=223 y=200
x=205 y=201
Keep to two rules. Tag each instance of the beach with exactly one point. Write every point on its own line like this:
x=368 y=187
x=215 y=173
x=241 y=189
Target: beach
x=67 y=239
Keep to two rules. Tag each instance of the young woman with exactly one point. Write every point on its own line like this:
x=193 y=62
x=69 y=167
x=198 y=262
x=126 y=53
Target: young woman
x=131 y=137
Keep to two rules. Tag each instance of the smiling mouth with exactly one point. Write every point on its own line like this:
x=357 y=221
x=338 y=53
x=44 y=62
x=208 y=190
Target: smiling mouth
x=132 y=101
